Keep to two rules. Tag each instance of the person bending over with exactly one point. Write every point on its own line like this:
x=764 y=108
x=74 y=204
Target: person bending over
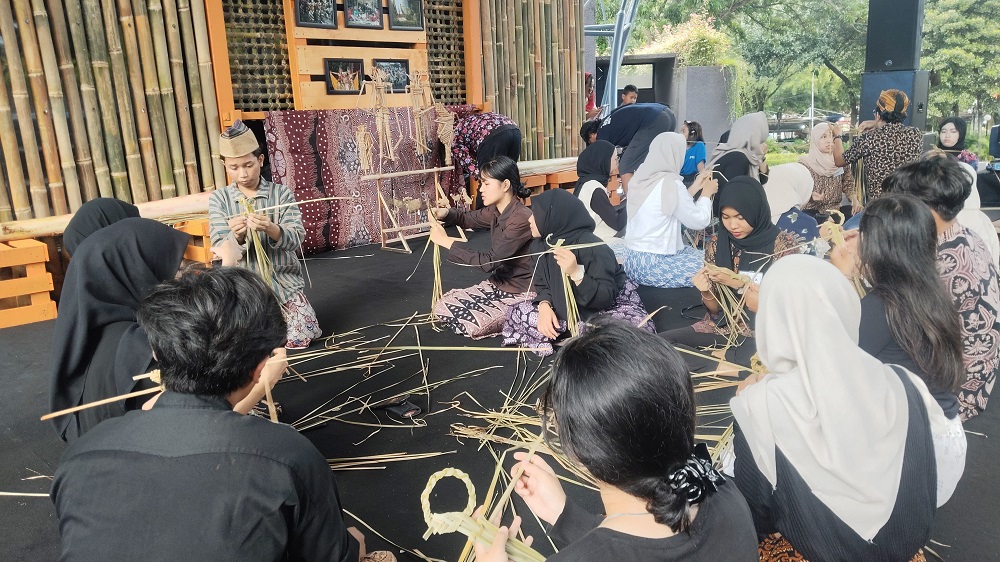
x=277 y=223
x=634 y=127
x=191 y=479
x=622 y=404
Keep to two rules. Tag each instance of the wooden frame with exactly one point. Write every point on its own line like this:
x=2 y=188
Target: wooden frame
x=331 y=24
x=397 y=88
x=416 y=7
x=350 y=6
x=309 y=61
x=332 y=78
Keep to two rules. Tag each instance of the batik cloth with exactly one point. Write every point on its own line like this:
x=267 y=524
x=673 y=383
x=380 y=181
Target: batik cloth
x=303 y=326
x=667 y=271
x=776 y=548
x=520 y=328
x=470 y=132
x=478 y=311
x=967 y=270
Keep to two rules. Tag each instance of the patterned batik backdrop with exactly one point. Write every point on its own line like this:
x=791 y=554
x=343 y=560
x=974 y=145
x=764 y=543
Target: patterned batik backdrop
x=315 y=154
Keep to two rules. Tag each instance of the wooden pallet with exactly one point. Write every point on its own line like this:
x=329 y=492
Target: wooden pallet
x=199 y=248
x=24 y=283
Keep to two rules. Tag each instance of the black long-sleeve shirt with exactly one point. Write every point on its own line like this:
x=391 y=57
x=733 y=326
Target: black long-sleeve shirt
x=193 y=480
x=614 y=216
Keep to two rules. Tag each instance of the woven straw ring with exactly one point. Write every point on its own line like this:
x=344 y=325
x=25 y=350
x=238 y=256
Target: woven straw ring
x=440 y=523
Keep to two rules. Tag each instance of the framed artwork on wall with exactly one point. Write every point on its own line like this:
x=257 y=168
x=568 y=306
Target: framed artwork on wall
x=366 y=14
x=397 y=73
x=344 y=76
x=406 y=15
x=316 y=13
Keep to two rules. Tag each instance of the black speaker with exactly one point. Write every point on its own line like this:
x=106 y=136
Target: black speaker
x=912 y=82
x=894 y=33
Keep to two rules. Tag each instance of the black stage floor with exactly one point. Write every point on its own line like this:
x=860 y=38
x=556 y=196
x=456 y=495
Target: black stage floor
x=365 y=288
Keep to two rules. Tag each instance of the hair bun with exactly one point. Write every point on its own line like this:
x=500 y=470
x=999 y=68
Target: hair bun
x=522 y=191
x=696 y=478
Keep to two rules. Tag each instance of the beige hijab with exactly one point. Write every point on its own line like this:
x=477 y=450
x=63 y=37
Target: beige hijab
x=788 y=185
x=838 y=415
x=662 y=164
x=973 y=218
x=746 y=136
x=817 y=160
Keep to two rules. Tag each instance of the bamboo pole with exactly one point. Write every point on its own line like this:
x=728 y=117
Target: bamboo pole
x=12 y=157
x=489 y=68
x=57 y=101
x=43 y=110
x=93 y=24
x=22 y=105
x=88 y=94
x=576 y=59
x=6 y=212
x=64 y=59
x=154 y=103
x=131 y=63
x=119 y=73
x=208 y=89
x=520 y=68
x=155 y=11
x=207 y=177
x=539 y=91
x=181 y=94
x=555 y=79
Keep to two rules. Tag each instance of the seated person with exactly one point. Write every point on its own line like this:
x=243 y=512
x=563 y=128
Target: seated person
x=622 y=404
x=594 y=168
x=972 y=217
x=951 y=139
x=478 y=311
x=634 y=127
x=658 y=206
x=907 y=318
x=831 y=183
x=695 y=154
x=742 y=153
x=788 y=189
x=599 y=284
x=190 y=479
x=277 y=224
x=834 y=453
x=93 y=216
x=965 y=266
x=98 y=345
x=746 y=246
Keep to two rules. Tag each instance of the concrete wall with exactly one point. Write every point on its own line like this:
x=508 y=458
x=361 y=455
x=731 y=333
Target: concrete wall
x=702 y=94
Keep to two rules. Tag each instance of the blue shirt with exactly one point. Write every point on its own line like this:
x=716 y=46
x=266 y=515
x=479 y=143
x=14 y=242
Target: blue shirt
x=694 y=155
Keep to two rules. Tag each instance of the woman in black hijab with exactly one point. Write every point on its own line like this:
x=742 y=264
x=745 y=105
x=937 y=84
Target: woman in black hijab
x=594 y=169
x=951 y=139
x=745 y=247
x=599 y=283
x=93 y=216
x=98 y=345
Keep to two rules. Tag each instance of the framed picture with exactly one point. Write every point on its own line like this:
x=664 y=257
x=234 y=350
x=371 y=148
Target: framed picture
x=316 y=13
x=406 y=15
x=363 y=13
x=344 y=76
x=396 y=73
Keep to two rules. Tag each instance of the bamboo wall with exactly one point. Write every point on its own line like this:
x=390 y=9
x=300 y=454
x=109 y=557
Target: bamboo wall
x=110 y=98
x=533 y=71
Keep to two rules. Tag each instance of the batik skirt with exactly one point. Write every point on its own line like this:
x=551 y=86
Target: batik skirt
x=667 y=271
x=520 y=328
x=478 y=311
x=301 y=319
x=776 y=548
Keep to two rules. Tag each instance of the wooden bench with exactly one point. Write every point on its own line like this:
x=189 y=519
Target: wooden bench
x=24 y=283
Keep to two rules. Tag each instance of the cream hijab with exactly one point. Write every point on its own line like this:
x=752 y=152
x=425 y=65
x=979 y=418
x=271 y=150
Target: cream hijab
x=817 y=160
x=973 y=218
x=838 y=414
x=662 y=164
x=746 y=136
x=788 y=185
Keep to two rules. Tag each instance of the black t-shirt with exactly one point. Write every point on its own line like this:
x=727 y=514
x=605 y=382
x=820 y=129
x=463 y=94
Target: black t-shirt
x=624 y=122
x=722 y=530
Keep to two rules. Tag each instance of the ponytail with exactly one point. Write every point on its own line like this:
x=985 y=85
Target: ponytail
x=670 y=498
x=521 y=191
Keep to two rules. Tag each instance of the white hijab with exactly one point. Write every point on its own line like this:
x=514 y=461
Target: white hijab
x=838 y=414
x=788 y=185
x=975 y=220
x=662 y=164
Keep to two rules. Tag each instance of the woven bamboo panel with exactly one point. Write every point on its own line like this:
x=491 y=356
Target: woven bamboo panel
x=258 y=55
x=445 y=49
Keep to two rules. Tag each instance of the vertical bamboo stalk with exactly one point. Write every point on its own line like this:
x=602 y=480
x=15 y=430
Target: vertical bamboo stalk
x=155 y=11
x=208 y=89
x=22 y=105
x=43 y=111
x=207 y=178
x=518 y=9
x=119 y=72
x=93 y=23
x=181 y=94
x=154 y=103
x=576 y=58
x=539 y=92
x=554 y=77
x=131 y=65
x=6 y=213
x=88 y=95
x=489 y=70
x=64 y=59
x=12 y=156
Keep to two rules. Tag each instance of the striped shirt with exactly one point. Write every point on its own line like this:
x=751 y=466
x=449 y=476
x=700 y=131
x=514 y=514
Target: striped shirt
x=226 y=203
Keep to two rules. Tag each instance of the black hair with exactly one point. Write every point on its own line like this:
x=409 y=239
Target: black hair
x=898 y=251
x=210 y=328
x=630 y=88
x=589 y=127
x=941 y=183
x=695 y=134
x=504 y=168
x=624 y=406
